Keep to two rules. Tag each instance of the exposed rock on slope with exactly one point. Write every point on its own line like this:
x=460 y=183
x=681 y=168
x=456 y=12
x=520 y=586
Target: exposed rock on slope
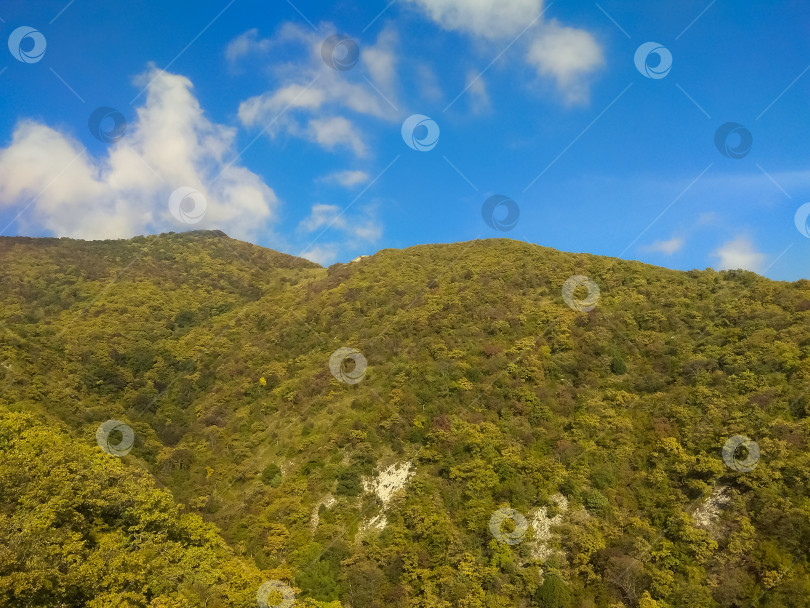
x=542 y=525
x=708 y=512
x=385 y=485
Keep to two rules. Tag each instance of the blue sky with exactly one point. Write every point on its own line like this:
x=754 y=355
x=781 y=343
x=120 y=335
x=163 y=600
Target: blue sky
x=234 y=103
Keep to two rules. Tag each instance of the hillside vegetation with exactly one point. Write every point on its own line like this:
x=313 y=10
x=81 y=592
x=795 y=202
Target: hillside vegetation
x=502 y=448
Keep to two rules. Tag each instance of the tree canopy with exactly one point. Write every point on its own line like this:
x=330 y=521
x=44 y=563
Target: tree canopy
x=607 y=429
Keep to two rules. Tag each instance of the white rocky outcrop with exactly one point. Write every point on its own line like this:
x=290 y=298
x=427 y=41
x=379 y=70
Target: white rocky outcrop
x=378 y=522
x=327 y=501
x=542 y=525
x=385 y=485
x=708 y=512
x=390 y=481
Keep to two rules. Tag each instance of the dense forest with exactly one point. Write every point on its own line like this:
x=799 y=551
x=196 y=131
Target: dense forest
x=187 y=420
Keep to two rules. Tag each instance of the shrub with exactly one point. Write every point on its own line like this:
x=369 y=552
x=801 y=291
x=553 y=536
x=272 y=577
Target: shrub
x=272 y=475
x=553 y=593
x=349 y=483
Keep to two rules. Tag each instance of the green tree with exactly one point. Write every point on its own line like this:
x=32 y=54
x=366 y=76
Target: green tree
x=553 y=593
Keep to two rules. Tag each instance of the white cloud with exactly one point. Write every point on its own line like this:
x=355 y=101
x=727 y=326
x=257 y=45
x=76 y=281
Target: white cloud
x=125 y=192
x=337 y=132
x=245 y=44
x=347 y=179
x=360 y=229
x=709 y=218
x=477 y=89
x=316 y=102
x=667 y=247
x=427 y=83
x=321 y=215
x=332 y=217
x=486 y=18
x=320 y=93
x=739 y=253
x=568 y=55
x=381 y=60
x=324 y=255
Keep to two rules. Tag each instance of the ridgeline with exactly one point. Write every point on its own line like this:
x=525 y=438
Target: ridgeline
x=507 y=425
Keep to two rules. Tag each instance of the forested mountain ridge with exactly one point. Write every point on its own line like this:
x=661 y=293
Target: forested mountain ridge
x=554 y=424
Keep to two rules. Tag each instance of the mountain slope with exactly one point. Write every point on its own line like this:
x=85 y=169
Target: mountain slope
x=603 y=428
x=81 y=529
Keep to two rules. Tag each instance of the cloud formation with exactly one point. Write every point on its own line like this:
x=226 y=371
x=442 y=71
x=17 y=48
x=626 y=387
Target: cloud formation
x=668 y=247
x=125 y=192
x=493 y=19
x=336 y=132
x=245 y=44
x=347 y=179
x=565 y=54
x=314 y=101
x=477 y=90
x=357 y=230
x=739 y=253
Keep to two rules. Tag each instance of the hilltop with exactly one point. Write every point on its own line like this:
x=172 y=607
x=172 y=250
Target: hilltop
x=482 y=382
